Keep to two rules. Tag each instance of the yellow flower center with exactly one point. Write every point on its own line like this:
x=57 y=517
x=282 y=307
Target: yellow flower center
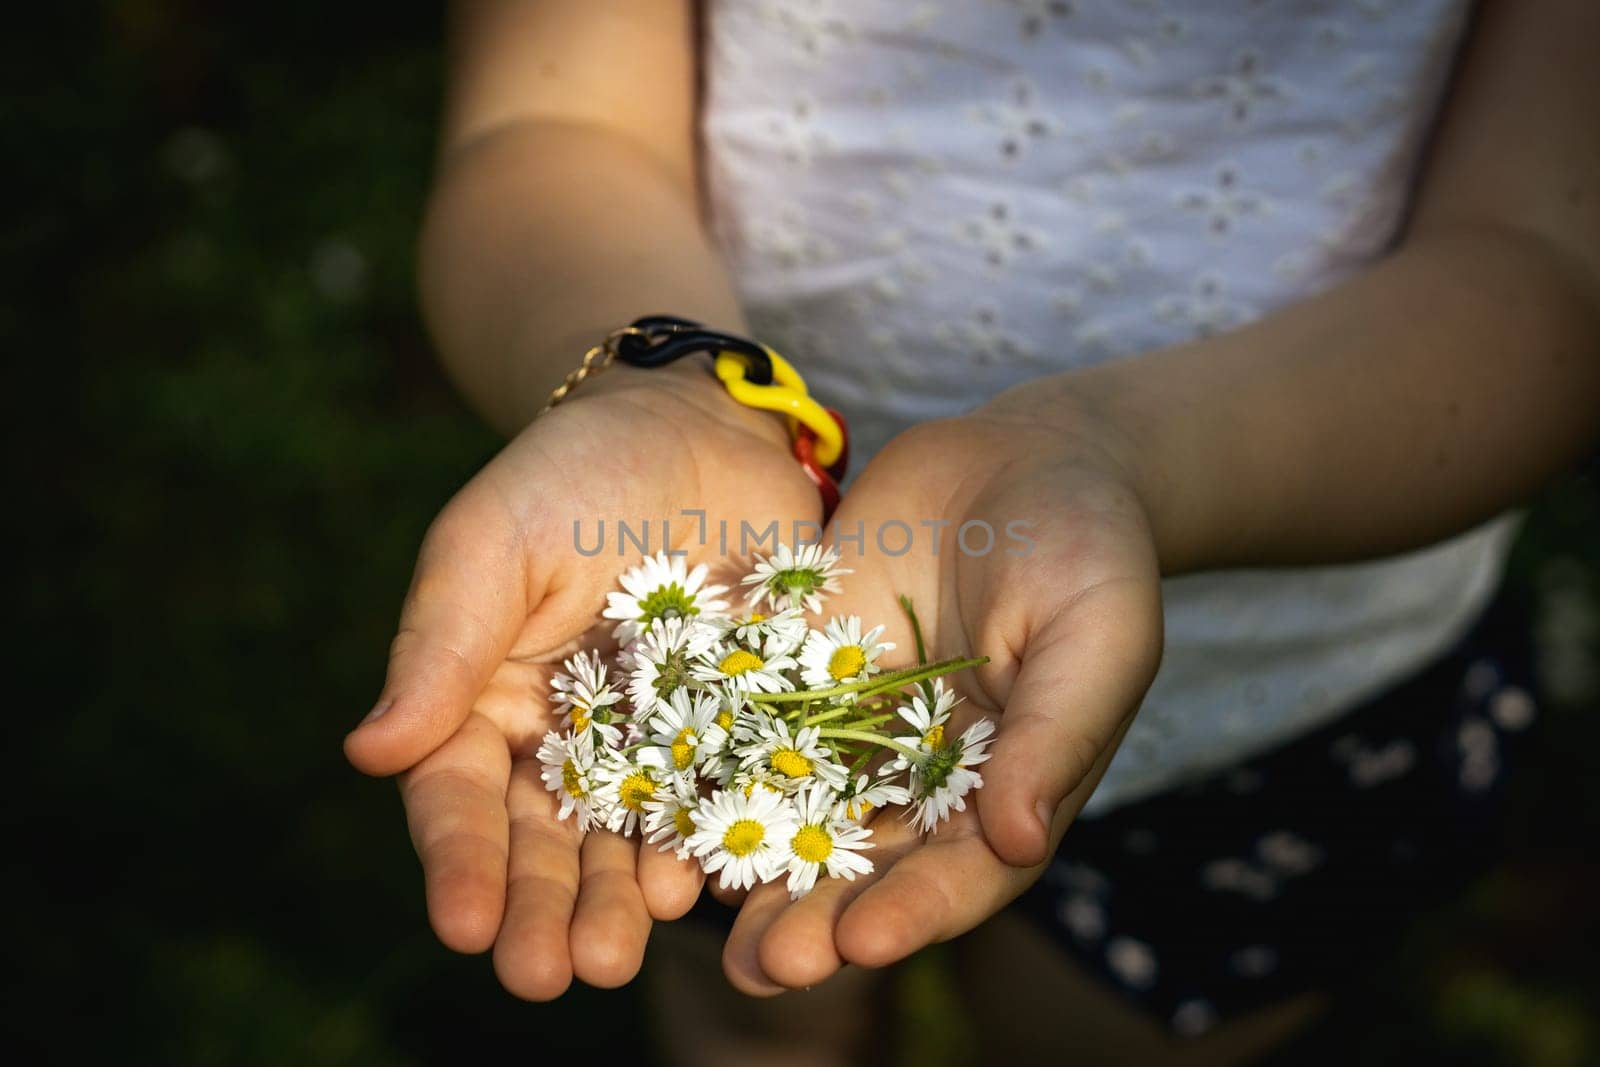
x=934 y=738
x=812 y=844
x=580 y=718
x=755 y=617
x=790 y=764
x=683 y=748
x=846 y=662
x=744 y=837
x=725 y=719
x=684 y=822
x=637 y=788
x=738 y=661
x=857 y=808
x=571 y=780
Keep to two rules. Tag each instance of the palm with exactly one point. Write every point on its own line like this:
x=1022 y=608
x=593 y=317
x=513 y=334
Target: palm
x=1074 y=620
x=502 y=594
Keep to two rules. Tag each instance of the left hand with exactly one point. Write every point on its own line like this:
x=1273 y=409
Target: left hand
x=1072 y=625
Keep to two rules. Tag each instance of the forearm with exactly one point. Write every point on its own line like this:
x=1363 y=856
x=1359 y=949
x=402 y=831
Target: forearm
x=543 y=236
x=1426 y=395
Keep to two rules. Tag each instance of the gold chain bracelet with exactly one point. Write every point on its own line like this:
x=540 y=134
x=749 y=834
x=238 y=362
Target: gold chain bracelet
x=597 y=359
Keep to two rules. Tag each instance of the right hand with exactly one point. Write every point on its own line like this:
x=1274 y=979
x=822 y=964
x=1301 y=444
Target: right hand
x=499 y=596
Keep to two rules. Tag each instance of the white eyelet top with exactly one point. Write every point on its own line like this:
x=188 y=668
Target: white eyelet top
x=924 y=203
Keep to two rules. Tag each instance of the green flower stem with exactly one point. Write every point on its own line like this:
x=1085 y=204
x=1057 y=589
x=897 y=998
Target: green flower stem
x=925 y=685
x=865 y=723
x=916 y=629
x=799 y=713
x=848 y=709
x=828 y=716
x=883 y=708
x=872 y=686
x=872 y=739
x=843 y=751
x=869 y=722
x=887 y=683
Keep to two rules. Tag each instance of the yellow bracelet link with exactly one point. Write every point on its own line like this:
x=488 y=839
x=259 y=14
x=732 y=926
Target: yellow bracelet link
x=787 y=395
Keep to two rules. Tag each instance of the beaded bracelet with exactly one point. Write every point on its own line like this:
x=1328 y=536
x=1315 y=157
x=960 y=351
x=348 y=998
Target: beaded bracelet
x=752 y=373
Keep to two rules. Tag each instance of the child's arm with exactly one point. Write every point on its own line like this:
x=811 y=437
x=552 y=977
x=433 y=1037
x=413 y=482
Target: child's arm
x=565 y=207
x=1441 y=387
x=566 y=202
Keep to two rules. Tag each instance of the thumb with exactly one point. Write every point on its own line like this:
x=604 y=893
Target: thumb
x=1082 y=676
x=467 y=602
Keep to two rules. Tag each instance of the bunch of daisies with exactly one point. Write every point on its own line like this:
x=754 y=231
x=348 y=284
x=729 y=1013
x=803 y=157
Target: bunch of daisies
x=754 y=742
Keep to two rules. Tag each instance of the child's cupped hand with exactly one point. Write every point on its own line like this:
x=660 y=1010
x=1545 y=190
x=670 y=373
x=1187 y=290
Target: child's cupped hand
x=500 y=594
x=1072 y=625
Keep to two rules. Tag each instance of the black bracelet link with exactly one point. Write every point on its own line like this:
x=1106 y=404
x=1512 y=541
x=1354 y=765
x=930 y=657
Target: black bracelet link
x=662 y=339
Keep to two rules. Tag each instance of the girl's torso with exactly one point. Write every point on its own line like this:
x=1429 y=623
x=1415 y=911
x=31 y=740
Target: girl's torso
x=926 y=203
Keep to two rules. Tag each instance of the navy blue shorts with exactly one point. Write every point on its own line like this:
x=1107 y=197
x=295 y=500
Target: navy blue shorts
x=1280 y=874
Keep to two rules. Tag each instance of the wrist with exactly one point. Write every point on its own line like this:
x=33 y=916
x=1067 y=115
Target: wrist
x=1171 y=446
x=1113 y=420
x=690 y=387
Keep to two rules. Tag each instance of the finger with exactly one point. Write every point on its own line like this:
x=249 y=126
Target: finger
x=1082 y=676
x=466 y=604
x=611 y=923
x=945 y=883
x=531 y=956
x=455 y=804
x=739 y=955
x=794 y=947
x=799 y=946
x=670 y=885
x=801 y=953
x=938 y=890
x=723 y=895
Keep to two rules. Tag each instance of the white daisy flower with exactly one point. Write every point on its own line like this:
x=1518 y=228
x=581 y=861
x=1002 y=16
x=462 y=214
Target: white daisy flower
x=823 y=842
x=566 y=771
x=582 y=683
x=605 y=774
x=929 y=718
x=661 y=587
x=744 y=837
x=840 y=653
x=748 y=780
x=625 y=785
x=865 y=794
x=582 y=688
x=688 y=731
x=941 y=779
x=669 y=815
x=729 y=708
x=738 y=670
x=660 y=660
x=688 y=706
x=798 y=758
x=776 y=634
x=796 y=578
x=720 y=765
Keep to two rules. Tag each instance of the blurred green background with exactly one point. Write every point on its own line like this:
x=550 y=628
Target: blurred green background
x=230 y=436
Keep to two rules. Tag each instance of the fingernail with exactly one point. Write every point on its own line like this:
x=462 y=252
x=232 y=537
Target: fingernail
x=1046 y=814
x=378 y=712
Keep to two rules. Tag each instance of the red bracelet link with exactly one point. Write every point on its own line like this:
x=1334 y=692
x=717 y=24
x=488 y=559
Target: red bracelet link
x=825 y=479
